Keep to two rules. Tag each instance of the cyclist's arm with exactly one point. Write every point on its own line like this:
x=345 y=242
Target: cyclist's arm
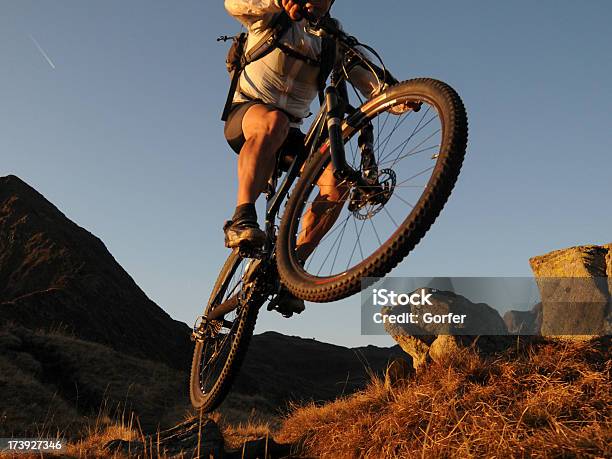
x=363 y=78
x=365 y=81
x=253 y=13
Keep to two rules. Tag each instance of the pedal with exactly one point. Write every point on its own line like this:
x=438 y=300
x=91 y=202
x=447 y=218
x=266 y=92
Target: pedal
x=197 y=333
x=287 y=314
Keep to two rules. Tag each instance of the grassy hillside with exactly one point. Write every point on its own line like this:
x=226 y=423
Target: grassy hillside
x=545 y=399
x=54 y=383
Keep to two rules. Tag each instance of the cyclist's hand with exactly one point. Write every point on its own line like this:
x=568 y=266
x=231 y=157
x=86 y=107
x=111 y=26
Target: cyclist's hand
x=293 y=9
x=316 y=8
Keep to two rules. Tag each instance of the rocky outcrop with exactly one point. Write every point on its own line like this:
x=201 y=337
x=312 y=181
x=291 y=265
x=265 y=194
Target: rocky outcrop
x=524 y=322
x=436 y=341
x=575 y=286
x=55 y=273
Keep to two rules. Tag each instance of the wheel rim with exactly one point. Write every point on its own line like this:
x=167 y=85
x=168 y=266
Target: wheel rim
x=406 y=148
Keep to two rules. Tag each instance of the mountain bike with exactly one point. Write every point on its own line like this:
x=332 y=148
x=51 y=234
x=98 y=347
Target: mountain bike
x=396 y=156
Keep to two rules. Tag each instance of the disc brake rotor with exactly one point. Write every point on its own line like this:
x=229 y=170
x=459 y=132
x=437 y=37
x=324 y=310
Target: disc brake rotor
x=365 y=205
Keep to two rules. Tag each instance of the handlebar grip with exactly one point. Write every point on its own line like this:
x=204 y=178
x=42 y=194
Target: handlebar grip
x=306 y=15
x=304 y=12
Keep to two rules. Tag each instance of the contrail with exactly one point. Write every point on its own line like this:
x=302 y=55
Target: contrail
x=42 y=51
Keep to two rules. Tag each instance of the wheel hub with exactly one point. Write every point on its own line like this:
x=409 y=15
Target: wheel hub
x=364 y=204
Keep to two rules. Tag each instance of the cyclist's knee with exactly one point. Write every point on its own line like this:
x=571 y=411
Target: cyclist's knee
x=264 y=125
x=275 y=125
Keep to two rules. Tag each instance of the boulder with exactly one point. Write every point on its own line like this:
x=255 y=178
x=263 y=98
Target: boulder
x=575 y=289
x=430 y=341
x=416 y=347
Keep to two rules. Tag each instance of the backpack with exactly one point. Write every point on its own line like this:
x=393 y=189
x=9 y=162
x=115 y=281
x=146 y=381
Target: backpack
x=238 y=58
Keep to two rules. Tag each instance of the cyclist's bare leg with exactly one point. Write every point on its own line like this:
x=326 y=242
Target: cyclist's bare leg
x=322 y=213
x=265 y=130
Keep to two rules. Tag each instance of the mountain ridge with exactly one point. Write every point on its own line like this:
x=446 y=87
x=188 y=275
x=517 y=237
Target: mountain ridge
x=54 y=271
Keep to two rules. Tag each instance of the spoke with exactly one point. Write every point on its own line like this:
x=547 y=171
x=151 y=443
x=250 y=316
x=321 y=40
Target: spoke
x=412 y=153
x=402 y=145
x=314 y=224
x=381 y=130
x=231 y=293
x=375 y=232
x=378 y=129
x=338 y=249
x=353 y=150
x=398 y=122
x=329 y=234
x=392 y=219
x=344 y=196
x=402 y=199
x=332 y=247
x=357 y=242
x=418 y=128
x=415 y=175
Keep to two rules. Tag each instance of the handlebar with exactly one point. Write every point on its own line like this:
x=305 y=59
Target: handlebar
x=327 y=26
x=324 y=23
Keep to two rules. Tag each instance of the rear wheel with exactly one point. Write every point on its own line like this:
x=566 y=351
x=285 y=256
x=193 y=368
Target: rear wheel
x=222 y=343
x=417 y=136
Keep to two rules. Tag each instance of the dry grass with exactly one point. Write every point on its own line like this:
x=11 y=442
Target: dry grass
x=236 y=435
x=551 y=399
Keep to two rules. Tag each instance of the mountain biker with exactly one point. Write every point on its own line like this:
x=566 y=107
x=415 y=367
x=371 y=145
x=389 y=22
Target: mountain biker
x=273 y=97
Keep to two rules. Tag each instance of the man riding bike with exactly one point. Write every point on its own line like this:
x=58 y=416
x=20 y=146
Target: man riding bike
x=273 y=97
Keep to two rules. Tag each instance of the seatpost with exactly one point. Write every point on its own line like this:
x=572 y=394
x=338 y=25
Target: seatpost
x=335 y=114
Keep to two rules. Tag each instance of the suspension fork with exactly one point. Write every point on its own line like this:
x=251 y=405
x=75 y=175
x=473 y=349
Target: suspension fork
x=335 y=113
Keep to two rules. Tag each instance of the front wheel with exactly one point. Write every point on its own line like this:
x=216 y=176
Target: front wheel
x=409 y=143
x=223 y=342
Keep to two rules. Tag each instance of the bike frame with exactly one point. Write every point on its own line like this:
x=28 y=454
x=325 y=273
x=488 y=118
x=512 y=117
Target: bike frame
x=276 y=196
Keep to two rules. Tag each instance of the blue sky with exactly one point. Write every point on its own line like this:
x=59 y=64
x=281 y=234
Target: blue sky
x=124 y=135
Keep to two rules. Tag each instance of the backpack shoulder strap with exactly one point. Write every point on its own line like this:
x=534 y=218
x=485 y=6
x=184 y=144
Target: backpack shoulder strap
x=277 y=27
x=275 y=30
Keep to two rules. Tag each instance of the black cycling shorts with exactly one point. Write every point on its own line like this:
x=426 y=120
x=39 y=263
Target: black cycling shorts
x=233 y=126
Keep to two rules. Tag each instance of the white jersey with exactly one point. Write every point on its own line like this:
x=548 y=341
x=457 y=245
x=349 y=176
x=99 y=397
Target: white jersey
x=278 y=79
